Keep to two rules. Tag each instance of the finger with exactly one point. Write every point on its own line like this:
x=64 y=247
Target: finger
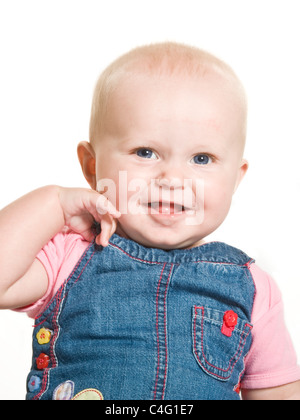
x=108 y=228
x=104 y=206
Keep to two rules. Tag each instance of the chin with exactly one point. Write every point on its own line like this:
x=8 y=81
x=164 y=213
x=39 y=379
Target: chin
x=167 y=238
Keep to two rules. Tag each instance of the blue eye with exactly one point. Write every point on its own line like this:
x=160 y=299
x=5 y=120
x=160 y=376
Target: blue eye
x=202 y=159
x=146 y=154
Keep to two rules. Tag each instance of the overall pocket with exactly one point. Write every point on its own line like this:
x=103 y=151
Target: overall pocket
x=217 y=352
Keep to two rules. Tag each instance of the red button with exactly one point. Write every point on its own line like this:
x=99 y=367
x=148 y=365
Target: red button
x=42 y=362
x=230 y=319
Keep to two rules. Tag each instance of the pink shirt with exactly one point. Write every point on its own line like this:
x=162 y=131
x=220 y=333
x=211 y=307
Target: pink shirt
x=272 y=359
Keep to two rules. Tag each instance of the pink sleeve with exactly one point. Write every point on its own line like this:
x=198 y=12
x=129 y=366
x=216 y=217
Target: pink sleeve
x=272 y=359
x=58 y=257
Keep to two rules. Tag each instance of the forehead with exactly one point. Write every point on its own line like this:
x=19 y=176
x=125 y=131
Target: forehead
x=141 y=102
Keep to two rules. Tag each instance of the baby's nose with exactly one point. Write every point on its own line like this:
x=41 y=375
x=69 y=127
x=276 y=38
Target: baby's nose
x=170 y=183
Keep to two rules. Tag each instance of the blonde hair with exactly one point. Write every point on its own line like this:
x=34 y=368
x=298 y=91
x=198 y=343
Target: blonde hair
x=167 y=58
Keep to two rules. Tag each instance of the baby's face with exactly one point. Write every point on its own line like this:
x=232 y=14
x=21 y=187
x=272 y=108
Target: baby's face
x=170 y=157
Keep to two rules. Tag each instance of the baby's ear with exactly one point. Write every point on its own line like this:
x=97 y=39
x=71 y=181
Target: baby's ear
x=86 y=156
x=241 y=173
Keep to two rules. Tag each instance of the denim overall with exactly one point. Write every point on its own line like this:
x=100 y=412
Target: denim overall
x=146 y=324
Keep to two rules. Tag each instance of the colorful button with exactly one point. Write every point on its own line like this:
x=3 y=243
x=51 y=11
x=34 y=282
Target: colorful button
x=64 y=392
x=34 y=383
x=230 y=320
x=42 y=362
x=43 y=336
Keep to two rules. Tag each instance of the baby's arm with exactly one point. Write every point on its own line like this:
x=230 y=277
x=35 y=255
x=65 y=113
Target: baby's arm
x=32 y=221
x=281 y=393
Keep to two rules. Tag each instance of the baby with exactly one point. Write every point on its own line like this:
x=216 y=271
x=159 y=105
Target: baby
x=129 y=300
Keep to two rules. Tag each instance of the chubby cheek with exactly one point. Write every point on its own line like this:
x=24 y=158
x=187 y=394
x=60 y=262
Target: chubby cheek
x=217 y=201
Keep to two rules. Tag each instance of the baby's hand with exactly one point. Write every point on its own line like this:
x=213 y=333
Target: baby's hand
x=81 y=207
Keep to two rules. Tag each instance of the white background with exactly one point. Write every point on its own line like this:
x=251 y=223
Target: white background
x=51 y=55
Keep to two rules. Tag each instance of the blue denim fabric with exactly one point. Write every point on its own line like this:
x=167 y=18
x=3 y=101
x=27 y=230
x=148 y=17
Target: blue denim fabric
x=142 y=323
